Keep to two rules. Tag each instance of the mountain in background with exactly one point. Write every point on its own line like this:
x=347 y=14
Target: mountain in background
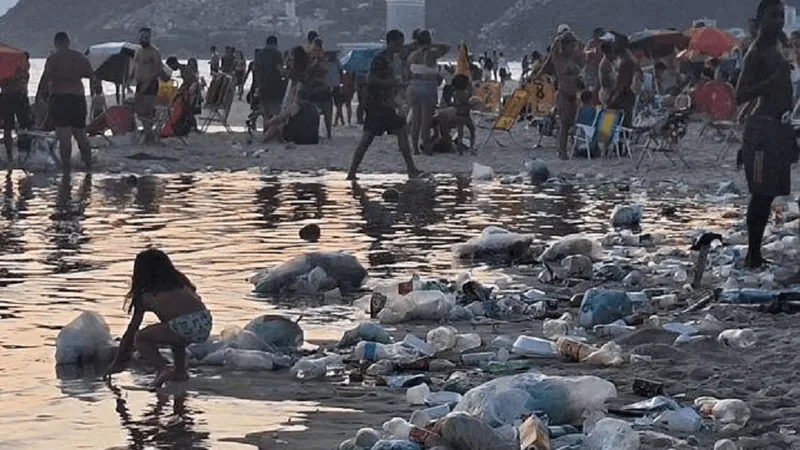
x=190 y=27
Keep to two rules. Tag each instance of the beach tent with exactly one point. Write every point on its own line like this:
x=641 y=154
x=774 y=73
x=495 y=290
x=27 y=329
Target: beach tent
x=357 y=61
x=11 y=61
x=111 y=61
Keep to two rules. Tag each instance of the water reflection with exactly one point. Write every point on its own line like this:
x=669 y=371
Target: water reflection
x=161 y=427
x=68 y=246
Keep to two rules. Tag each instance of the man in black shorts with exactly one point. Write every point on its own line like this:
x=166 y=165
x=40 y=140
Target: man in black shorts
x=14 y=108
x=380 y=107
x=61 y=84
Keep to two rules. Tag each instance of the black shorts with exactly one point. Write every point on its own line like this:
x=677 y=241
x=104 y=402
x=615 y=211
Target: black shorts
x=150 y=88
x=14 y=107
x=382 y=120
x=68 y=110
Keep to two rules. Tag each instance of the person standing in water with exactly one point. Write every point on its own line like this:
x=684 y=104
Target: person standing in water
x=769 y=147
x=423 y=88
x=380 y=107
x=147 y=71
x=62 y=86
x=158 y=287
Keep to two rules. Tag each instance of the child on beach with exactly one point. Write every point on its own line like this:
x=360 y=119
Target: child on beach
x=157 y=286
x=98 y=100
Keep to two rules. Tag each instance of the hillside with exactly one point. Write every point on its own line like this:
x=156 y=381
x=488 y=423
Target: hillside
x=191 y=26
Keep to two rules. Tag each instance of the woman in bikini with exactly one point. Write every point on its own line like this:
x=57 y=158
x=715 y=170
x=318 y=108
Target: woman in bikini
x=423 y=88
x=158 y=287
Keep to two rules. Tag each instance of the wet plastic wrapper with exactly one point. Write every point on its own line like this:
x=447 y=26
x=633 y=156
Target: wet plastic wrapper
x=564 y=399
x=344 y=270
x=494 y=243
x=278 y=331
x=612 y=434
x=601 y=307
x=85 y=339
x=459 y=430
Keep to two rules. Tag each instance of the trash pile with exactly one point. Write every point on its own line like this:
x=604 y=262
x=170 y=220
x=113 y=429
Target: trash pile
x=312 y=273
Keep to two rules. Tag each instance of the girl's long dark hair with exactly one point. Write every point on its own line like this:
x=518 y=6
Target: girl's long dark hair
x=153 y=272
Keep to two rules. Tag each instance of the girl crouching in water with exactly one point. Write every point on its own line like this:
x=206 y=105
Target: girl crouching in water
x=158 y=287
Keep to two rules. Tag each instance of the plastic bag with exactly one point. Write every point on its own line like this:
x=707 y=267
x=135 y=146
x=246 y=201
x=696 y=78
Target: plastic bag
x=626 y=216
x=277 y=331
x=417 y=305
x=235 y=337
x=600 y=307
x=367 y=331
x=395 y=445
x=684 y=420
x=564 y=399
x=443 y=338
x=572 y=245
x=461 y=431
x=481 y=172
x=344 y=269
x=495 y=244
x=87 y=338
x=609 y=354
x=248 y=359
x=313 y=368
x=612 y=434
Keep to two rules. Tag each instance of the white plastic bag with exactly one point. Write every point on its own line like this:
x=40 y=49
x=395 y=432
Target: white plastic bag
x=612 y=434
x=248 y=360
x=481 y=172
x=85 y=339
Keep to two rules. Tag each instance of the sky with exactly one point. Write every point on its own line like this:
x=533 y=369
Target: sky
x=5 y=5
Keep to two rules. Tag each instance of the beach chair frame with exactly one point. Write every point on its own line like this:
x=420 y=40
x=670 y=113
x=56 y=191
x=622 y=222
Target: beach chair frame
x=218 y=112
x=508 y=117
x=584 y=135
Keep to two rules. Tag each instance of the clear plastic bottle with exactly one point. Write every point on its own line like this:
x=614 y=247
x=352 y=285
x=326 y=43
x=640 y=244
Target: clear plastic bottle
x=744 y=338
x=555 y=328
x=373 y=351
x=531 y=346
x=315 y=368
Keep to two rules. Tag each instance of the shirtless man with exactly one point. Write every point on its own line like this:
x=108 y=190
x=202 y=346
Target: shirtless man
x=606 y=72
x=769 y=147
x=622 y=97
x=380 y=107
x=147 y=70
x=61 y=84
x=14 y=107
x=566 y=57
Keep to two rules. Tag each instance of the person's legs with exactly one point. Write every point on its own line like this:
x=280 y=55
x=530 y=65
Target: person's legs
x=758 y=212
x=349 y=107
x=366 y=140
x=181 y=371
x=64 y=135
x=83 y=144
x=416 y=115
x=405 y=150
x=426 y=113
x=327 y=115
x=147 y=342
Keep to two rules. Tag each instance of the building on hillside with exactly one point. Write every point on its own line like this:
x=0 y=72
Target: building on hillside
x=405 y=15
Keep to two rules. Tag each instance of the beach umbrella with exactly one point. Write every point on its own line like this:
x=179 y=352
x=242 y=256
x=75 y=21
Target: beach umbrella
x=658 y=43
x=111 y=60
x=12 y=60
x=710 y=41
x=358 y=61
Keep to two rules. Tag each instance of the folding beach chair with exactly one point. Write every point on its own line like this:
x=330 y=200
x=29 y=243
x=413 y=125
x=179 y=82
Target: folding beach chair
x=585 y=131
x=219 y=100
x=610 y=132
x=665 y=138
x=508 y=117
x=118 y=119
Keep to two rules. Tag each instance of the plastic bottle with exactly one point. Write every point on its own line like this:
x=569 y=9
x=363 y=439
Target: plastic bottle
x=613 y=330
x=684 y=420
x=315 y=368
x=418 y=344
x=744 y=338
x=373 y=351
x=397 y=428
x=443 y=338
x=477 y=359
x=466 y=342
x=574 y=350
x=555 y=328
x=534 y=347
x=748 y=296
x=415 y=396
x=442 y=398
x=421 y=417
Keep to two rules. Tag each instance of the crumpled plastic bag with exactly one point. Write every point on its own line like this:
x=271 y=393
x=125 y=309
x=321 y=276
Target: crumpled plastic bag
x=495 y=243
x=564 y=399
x=601 y=307
x=235 y=337
x=345 y=270
x=416 y=305
x=462 y=431
x=87 y=338
x=626 y=216
x=367 y=331
x=277 y=331
x=481 y=172
x=609 y=354
x=572 y=245
x=253 y=360
x=612 y=434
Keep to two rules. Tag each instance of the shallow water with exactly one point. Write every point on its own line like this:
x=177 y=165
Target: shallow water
x=68 y=247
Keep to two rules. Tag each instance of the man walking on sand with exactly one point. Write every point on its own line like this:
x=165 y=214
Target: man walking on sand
x=268 y=71
x=61 y=84
x=14 y=108
x=147 y=70
x=381 y=107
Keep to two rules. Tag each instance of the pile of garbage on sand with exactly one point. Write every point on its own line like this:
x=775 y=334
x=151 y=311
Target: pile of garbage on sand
x=625 y=302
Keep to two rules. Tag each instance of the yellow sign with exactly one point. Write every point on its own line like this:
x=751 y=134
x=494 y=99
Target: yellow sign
x=489 y=93
x=511 y=110
x=541 y=96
